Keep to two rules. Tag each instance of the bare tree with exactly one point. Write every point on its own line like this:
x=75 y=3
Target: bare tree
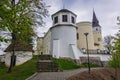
x=108 y=43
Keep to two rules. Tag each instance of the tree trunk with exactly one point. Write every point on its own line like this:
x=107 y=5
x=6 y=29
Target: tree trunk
x=13 y=57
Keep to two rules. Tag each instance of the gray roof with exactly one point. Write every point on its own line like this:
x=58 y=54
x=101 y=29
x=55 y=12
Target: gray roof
x=64 y=10
x=19 y=47
x=95 y=22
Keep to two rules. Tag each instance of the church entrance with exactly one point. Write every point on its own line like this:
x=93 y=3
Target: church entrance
x=56 y=48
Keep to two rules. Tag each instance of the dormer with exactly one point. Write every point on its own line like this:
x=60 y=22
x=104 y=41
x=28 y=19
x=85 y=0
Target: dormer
x=64 y=17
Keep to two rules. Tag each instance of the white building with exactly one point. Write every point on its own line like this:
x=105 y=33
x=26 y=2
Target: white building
x=23 y=53
x=61 y=39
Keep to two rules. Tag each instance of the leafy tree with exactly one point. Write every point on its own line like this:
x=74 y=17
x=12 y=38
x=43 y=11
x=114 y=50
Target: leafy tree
x=19 y=18
x=115 y=59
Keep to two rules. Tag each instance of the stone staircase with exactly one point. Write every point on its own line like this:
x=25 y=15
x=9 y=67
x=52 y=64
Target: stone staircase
x=45 y=64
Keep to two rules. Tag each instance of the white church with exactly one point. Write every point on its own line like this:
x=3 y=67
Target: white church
x=66 y=39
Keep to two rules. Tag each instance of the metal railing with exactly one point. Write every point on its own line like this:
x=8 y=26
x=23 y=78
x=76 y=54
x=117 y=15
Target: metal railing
x=96 y=52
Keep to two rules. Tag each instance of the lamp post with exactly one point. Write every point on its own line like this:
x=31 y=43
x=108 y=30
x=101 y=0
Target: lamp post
x=86 y=34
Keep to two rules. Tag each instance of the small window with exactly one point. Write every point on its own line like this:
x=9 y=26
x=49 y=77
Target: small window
x=56 y=19
x=73 y=20
x=64 y=18
x=77 y=36
x=99 y=39
x=96 y=29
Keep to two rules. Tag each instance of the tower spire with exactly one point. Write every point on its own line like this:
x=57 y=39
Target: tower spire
x=95 y=21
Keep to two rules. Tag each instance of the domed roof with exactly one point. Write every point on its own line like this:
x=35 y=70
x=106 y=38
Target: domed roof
x=64 y=10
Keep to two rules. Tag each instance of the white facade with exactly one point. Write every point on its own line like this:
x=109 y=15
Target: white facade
x=2 y=58
x=62 y=36
x=61 y=41
x=21 y=57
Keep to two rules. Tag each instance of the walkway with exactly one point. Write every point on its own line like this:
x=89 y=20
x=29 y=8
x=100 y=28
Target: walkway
x=56 y=75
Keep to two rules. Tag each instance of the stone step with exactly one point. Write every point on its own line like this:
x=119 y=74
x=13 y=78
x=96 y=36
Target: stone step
x=47 y=66
x=44 y=61
x=45 y=57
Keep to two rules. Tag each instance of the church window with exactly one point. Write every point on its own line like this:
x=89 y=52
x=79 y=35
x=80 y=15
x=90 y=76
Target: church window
x=99 y=39
x=56 y=19
x=73 y=20
x=64 y=18
x=77 y=36
x=96 y=29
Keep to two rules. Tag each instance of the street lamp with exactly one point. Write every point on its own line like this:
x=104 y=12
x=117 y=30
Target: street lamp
x=86 y=34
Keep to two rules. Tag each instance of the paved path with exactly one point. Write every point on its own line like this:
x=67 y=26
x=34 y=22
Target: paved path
x=56 y=75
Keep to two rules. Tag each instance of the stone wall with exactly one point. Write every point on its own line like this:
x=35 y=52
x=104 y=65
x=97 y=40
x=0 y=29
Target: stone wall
x=45 y=64
x=93 y=60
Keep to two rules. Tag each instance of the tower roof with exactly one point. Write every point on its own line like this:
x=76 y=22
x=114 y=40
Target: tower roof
x=95 y=21
x=64 y=10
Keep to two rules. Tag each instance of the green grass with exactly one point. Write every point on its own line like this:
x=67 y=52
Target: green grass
x=19 y=72
x=85 y=65
x=64 y=64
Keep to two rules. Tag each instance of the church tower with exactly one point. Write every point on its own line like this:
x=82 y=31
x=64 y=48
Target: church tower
x=97 y=33
x=63 y=34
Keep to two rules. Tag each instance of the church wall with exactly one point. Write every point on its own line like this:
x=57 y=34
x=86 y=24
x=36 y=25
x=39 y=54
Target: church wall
x=84 y=27
x=39 y=46
x=98 y=40
x=2 y=58
x=66 y=36
x=47 y=43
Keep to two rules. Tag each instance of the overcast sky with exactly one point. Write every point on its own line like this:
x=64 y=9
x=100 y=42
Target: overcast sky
x=106 y=12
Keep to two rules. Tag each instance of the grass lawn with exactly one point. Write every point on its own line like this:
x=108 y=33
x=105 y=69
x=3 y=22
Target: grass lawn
x=19 y=72
x=64 y=64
